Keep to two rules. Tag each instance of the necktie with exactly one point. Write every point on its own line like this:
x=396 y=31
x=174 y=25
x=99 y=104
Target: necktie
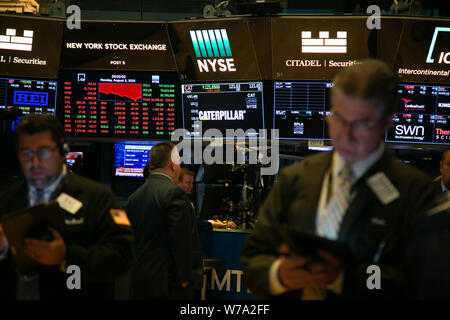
x=329 y=222
x=40 y=199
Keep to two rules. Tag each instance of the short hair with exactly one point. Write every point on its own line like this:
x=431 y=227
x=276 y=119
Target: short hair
x=37 y=123
x=160 y=155
x=185 y=172
x=369 y=80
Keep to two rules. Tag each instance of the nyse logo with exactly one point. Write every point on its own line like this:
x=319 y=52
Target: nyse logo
x=213 y=51
x=31 y=98
x=11 y=41
x=401 y=129
x=324 y=44
x=444 y=57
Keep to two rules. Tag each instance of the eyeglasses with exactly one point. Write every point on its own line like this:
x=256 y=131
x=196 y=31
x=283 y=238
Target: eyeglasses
x=41 y=153
x=357 y=126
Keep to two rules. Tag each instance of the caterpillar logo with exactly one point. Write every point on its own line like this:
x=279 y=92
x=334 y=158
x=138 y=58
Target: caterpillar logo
x=12 y=42
x=324 y=44
x=212 y=50
x=31 y=98
x=444 y=57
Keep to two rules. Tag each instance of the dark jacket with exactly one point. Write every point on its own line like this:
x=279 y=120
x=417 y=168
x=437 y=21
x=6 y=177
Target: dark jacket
x=168 y=248
x=101 y=248
x=366 y=224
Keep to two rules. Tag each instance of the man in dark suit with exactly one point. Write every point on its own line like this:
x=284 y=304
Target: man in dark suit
x=167 y=243
x=98 y=238
x=358 y=194
x=442 y=183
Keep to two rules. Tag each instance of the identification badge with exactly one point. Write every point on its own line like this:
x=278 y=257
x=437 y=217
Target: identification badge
x=383 y=188
x=68 y=203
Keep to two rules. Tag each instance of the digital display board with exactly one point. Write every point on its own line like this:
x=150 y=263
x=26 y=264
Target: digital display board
x=130 y=159
x=316 y=48
x=28 y=96
x=418 y=48
x=300 y=109
x=423 y=115
x=214 y=50
x=222 y=106
x=30 y=46
x=119 y=104
x=118 y=45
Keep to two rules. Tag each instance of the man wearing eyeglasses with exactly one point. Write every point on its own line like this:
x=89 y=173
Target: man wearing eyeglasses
x=358 y=194
x=99 y=238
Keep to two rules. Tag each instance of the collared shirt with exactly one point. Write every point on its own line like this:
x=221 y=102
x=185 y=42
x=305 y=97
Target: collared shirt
x=359 y=168
x=48 y=191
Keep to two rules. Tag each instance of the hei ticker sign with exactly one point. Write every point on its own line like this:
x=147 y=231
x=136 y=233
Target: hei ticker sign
x=212 y=50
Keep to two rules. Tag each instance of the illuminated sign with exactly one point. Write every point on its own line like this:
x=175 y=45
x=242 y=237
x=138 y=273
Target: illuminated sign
x=324 y=44
x=31 y=98
x=12 y=42
x=443 y=56
x=212 y=44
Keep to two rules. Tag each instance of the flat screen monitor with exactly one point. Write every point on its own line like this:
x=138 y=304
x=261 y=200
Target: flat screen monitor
x=130 y=159
x=119 y=104
x=300 y=108
x=28 y=95
x=422 y=116
x=222 y=106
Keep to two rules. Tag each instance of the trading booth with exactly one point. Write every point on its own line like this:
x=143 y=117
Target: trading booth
x=221 y=86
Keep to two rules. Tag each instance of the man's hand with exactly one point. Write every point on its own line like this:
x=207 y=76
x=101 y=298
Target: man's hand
x=297 y=272
x=332 y=267
x=49 y=253
x=3 y=241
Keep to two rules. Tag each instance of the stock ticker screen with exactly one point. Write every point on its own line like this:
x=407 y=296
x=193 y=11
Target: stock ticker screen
x=28 y=96
x=300 y=109
x=423 y=115
x=223 y=106
x=130 y=159
x=120 y=104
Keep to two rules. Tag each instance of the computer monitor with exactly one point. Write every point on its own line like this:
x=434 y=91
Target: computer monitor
x=119 y=104
x=28 y=95
x=222 y=106
x=300 y=108
x=130 y=159
x=422 y=115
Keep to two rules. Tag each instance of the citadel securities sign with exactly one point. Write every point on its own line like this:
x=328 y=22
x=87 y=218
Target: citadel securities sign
x=26 y=49
x=315 y=48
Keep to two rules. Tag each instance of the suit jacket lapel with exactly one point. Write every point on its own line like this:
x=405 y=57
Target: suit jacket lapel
x=364 y=196
x=311 y=194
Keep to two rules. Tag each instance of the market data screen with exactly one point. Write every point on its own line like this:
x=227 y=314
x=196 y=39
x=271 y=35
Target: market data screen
x=130 y=159
x=223 y=106
x=422 y=115
x=119 y=104
x=300 y=109
x=28 y=96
